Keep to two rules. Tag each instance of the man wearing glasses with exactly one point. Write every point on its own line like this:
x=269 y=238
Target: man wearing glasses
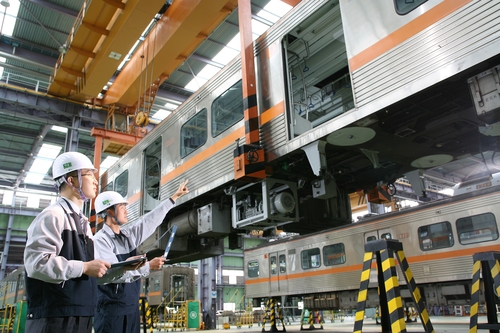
x=61 y=272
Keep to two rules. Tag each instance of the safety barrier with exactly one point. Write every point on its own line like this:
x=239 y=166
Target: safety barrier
x=146 y=314
x=488 y=262
x=313 y=317
x=391 y=304
x=271 y=306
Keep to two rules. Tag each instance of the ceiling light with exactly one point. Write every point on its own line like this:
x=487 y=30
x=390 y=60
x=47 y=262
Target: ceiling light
x=5 y=3
x=63 y=49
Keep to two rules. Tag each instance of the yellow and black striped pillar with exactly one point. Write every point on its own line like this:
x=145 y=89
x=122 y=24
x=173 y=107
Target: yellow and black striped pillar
x=391 y=303
x=488 y=262
x=280 y=315
x=415 y=292
x=363 y=292
x=265 y=315
x=146 y=317
x=272 y=316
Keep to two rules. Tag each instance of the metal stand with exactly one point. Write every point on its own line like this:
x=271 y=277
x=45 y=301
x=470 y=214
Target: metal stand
x=488 y=262
x=391 y=304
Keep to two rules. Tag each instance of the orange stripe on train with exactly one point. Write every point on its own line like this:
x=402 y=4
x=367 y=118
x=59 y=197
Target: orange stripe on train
x=422 y=22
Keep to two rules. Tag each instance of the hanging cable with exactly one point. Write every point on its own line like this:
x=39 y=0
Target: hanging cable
x=62 y=48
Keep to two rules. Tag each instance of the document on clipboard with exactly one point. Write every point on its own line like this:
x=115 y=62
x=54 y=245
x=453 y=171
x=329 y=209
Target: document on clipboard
x=129 y=262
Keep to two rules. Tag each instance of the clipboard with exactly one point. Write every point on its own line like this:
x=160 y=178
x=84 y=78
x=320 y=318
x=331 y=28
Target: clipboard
x=128 y=262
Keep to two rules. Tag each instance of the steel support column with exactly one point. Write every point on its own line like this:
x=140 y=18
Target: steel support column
x=8 y=236
x=206 y=289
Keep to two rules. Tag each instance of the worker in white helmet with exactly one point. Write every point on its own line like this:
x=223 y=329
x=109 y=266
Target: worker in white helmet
x=117 y=241
x=61 y=272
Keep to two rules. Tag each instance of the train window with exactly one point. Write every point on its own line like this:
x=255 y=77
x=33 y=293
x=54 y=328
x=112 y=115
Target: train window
x=194 y=133
x=386 y=236
x=152 y=170
x=253 y=269
x=370 y=238
x=156 y=286
x=334 y=254
x=311 y=258
x=121 y=183
x=108 y=187
x=282 y=263
x=227 y=109
x=272 y=262
x=435 y=236
x=477 y=229
x=403 y=7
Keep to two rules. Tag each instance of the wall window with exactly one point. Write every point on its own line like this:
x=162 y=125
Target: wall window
x=435 y=236
x=121 y=183
x=403 y=7
x=227 y=109
x=194 y=133
x=310 y=258
x=477 y=229
x=334 y=254
x=253 y=269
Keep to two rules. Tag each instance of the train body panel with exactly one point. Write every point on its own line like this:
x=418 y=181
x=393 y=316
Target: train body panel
x=169 y=287
x=344 y=104
x=438 y=239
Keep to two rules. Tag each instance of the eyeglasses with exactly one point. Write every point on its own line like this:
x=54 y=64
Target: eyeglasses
x=89 y=174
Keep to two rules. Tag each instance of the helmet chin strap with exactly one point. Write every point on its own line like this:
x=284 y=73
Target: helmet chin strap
x=79 y=189
x=116 y=221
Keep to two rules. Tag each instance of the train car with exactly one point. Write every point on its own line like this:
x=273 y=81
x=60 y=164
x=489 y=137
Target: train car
x=439 y=240
x=12 y=288
x=350 y=94
x=169 y=287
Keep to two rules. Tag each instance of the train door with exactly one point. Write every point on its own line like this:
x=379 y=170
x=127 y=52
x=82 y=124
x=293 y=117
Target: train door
x=277 y=272
x=151 y=176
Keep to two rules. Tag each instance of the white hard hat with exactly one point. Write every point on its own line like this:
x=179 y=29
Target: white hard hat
x=107 y=199
x=70 y=161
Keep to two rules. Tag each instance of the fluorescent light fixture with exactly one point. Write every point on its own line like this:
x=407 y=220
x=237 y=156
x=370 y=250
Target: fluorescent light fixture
x=49 y=151
x=274 y=10
x=258 y=28
x=225 y=55
x=162 y=114
x=59 y=129
x=41 y=165
x=195 y=83
x=9 y=21
x=33 y=201
x=170 y=106
x=208 y=72
x=107 y=163
x=34 y=178
x=7 y=197
x=235 y=43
